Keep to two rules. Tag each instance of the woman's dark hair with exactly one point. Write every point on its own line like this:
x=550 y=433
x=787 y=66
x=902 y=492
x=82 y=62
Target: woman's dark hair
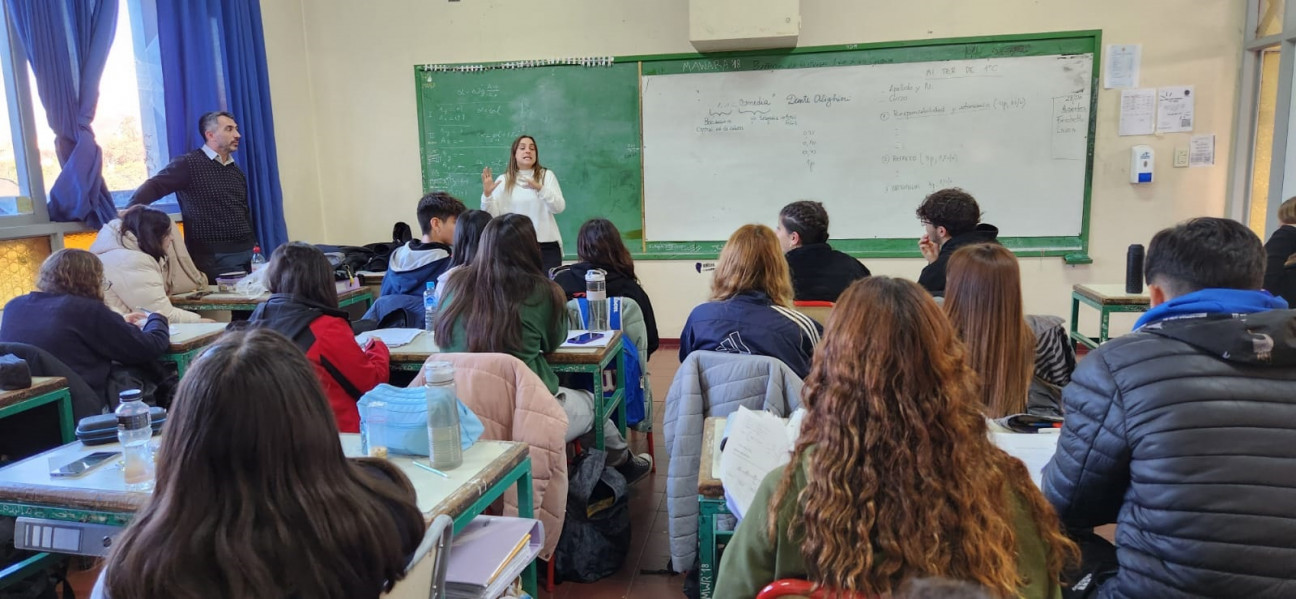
x=599 y=243
x=254 y=496
x=150 y=227
x=300 y=269
x=468 y=231
x=487 y=294
x=72 y=272
x=807 y=219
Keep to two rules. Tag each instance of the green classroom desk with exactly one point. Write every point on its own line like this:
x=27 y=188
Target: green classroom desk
x=44 y=389
x=210 y=300
x=188 y=339
x=711 y=503
x=1108 y=299
x=592 y=360
x=489 y=469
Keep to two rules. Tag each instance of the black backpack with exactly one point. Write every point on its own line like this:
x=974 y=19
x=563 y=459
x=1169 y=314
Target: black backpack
x=596 y=534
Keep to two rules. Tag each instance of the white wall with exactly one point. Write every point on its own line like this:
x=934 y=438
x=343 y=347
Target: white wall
x=342 y=85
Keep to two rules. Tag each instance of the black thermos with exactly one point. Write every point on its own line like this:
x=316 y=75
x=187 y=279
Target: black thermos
x=1134 y=269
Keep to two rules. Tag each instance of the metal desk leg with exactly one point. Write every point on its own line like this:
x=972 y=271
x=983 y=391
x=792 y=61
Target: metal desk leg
x=526 y=509
x=67 y=424
x=1105 y=317
x=1075 y=316
x=600 y=407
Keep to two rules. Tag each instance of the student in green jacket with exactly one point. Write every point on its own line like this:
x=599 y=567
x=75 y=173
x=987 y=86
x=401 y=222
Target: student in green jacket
x=502 y=302
x=894 y=476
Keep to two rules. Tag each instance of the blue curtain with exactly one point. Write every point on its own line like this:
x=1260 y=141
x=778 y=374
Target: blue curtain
x=213 y=58
x=67 y=42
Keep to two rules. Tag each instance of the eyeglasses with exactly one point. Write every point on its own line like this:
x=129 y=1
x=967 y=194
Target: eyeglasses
x=107 y=284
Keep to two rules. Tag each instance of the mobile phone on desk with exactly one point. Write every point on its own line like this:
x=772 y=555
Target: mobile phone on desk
x=584 y=338
x=82 y=466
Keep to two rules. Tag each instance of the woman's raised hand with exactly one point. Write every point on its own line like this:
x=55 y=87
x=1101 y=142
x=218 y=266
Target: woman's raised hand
x=488 y=182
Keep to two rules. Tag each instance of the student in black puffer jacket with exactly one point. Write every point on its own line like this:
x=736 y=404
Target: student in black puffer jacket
x=1184 y=432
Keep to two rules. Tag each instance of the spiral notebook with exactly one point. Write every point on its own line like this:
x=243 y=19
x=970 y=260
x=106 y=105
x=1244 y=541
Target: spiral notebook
x=490 y=553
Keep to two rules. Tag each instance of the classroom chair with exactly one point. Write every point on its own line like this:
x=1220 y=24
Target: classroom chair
x=817 y=310
x=635 y=329
x=795 y=587
x=426 y=574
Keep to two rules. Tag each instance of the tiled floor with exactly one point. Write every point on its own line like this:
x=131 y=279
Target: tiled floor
x=649 y=545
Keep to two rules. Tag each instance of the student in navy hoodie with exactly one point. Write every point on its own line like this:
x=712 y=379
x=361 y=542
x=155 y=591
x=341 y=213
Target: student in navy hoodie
x=414 y=264
x=751 y=308
x=304 y=308
x=67 y=317
x=599 y=246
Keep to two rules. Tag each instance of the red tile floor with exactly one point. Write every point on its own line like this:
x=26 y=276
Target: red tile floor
x=649 y=545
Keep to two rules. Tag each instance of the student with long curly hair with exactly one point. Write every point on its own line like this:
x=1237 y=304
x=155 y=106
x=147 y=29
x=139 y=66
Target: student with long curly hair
x=254 y=496
x=894 y=476
x=750 y=311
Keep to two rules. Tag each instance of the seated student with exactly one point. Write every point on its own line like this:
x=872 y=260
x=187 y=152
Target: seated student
x=468 y=230
x=819 y=273
x=304 y=308
x=412 y=265
x=894 y=475
x=254 y=497
x=750 y=311
x=134 y=252
x=984 y=303
x=950 y=218
x=66 y=316
x=1280 y=248
x=1180 y=432
x=502 y=302
x=599 y=246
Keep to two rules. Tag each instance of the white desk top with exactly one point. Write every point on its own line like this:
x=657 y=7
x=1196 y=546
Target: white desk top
x=31 y=476
x=185 y=333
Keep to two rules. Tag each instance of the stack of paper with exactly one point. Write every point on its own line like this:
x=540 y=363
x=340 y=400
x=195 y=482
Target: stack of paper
x=756 y=443
x=391 y=337
x=489 y=553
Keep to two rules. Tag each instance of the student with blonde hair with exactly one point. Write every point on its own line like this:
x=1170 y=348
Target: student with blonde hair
x=894 y=475
x=750 y=311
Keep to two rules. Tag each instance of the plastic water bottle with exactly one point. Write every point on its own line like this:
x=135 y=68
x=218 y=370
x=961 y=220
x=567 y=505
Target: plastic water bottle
x=444 y=451
x=596 y=293
x=134 y=429
x=258 y=260
x=373 y=430
x=429 y=307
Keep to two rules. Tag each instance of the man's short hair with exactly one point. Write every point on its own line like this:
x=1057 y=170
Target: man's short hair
x=207 y=122
x=437 y=204
x=952 y=208
x=1205 y=253
x=807 y=219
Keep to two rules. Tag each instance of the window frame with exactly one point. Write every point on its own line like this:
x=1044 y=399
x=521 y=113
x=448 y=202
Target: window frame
x=1282 y=162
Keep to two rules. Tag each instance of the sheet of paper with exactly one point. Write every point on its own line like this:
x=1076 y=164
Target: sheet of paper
x=1034 y=449
x=757 y=444
x=391 y=337
x=1122 y=68
x=1175 y=109
x=1138 y=112
x=1201 y=150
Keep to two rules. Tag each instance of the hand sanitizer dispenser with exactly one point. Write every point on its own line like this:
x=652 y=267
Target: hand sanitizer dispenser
x=1141 y=161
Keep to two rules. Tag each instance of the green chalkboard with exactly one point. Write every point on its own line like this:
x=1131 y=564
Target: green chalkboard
x=587 y=122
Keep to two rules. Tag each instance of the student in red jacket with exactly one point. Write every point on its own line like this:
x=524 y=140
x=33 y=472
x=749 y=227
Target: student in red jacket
x=304 y=308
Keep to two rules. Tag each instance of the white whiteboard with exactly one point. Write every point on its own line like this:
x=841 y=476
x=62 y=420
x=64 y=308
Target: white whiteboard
x=725 y=149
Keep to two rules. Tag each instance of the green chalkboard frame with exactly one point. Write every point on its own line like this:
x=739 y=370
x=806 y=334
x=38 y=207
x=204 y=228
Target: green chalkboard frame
x=1073 y=249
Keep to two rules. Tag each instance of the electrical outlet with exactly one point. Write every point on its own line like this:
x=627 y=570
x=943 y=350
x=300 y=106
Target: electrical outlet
x=1181 y=157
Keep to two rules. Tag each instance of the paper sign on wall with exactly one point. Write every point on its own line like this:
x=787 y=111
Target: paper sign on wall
x=1201 y=150
x=1175 y=109
x=1138 y=111
x=1122 y=68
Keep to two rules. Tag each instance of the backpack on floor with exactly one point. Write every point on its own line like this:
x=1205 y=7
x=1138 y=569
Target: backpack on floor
x=596 y=534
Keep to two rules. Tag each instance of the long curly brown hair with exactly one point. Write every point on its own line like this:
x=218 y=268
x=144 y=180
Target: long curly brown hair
x=903 y=479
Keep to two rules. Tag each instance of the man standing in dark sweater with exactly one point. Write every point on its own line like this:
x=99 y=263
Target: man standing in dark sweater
x=950 y=217
x=212 y=192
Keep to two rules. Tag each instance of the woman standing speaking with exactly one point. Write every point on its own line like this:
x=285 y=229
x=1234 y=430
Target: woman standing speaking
x=530 y=190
